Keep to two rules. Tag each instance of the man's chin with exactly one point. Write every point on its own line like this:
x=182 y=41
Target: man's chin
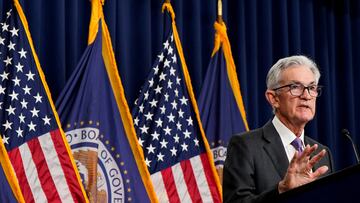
x=305 y=118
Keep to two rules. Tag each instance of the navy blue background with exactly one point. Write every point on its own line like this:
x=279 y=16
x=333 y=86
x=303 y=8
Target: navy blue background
x=260 y=32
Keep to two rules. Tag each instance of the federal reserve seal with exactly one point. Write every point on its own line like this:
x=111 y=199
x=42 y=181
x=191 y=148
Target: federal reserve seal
x=99 y=171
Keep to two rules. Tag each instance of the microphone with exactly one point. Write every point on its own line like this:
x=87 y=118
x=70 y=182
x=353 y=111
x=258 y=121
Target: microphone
x=346 y=133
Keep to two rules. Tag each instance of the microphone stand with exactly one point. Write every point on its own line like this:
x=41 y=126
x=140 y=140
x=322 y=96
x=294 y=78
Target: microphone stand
x=346 y=133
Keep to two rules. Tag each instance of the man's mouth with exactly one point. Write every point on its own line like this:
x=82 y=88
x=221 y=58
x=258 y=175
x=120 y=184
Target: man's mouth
x=304 y=106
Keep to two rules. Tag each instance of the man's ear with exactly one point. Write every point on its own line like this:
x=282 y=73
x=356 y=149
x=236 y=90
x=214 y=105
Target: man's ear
x=272 y=98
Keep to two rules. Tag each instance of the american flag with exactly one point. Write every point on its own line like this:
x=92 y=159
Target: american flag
x=28 y=124
x=169 y=134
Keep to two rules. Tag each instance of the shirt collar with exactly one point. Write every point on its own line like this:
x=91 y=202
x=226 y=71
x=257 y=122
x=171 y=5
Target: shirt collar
x=285 y=133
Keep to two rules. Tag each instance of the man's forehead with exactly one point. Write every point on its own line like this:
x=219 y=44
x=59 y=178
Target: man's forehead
x=313 y=82
x=298 y=74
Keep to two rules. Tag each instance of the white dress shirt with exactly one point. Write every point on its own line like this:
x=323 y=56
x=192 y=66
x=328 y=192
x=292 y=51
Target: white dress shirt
x=287 y=137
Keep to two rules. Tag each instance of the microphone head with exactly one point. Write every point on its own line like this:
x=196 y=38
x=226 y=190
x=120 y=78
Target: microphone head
x=345 y=131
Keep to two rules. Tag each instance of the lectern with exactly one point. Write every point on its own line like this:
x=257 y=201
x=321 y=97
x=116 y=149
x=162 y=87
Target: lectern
x=342 y=186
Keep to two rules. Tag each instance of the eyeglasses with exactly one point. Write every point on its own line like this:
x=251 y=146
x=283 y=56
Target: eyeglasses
x=298 y=89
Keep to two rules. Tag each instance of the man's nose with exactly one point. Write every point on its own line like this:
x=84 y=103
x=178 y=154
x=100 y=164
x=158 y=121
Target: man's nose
x=306 y=93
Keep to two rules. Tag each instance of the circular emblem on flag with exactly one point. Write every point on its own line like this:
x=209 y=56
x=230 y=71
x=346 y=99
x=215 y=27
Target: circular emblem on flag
x=99 y=172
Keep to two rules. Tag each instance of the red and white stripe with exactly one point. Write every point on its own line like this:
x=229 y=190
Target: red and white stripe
x=45 y=173
x=188 y=181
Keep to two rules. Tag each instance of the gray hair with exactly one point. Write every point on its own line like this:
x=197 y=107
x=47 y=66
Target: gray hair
x=274 y=74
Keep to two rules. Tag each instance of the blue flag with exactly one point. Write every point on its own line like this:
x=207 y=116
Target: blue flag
x=98 y=125
x=220 y=103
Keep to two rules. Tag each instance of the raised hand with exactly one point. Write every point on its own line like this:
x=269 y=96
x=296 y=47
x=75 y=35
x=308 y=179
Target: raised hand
x=299 y=171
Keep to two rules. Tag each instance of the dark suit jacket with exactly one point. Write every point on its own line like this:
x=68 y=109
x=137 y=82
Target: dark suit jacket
x=256 y=162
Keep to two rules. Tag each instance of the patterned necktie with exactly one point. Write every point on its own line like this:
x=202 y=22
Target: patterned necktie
x=297 y=143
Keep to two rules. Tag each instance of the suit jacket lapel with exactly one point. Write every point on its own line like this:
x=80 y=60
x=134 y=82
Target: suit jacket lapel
x=275 y=149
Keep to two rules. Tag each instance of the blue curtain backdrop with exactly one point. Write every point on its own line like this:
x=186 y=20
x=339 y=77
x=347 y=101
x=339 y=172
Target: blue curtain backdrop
x=260 y=32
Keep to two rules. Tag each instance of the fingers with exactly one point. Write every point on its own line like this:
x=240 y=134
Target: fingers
x=304 y=156
x=320 y=171
x=304 y=159
x=317 y=158
x=292 y=164
x=308 y=151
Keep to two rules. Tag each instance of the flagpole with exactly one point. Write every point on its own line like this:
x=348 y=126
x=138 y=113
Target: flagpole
x=219 y=12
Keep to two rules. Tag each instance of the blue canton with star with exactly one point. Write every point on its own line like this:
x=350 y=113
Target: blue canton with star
x=24 y=108
x=164 y=120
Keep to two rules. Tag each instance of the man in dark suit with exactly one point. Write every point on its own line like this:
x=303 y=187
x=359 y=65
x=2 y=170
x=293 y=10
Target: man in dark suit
x=277 y=157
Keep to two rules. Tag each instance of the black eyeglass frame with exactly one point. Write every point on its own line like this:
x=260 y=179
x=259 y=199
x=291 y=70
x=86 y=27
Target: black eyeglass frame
x=291 y=87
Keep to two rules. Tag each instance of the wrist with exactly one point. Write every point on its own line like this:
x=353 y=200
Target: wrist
x=282 y=187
